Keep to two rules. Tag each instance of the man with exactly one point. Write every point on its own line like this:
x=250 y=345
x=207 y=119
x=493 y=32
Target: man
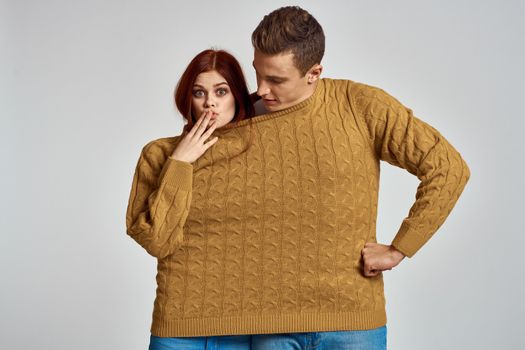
x=287 y=73
x=288 y=48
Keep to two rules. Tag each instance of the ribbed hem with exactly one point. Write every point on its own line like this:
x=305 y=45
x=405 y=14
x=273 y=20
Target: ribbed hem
x=177 y=173
x=266 y=324
x=408 y=241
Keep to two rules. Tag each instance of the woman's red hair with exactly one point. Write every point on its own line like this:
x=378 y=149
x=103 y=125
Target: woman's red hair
x=227 y=66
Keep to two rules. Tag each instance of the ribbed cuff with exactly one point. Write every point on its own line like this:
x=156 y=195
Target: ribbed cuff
x=407 y=240
x=177 y=173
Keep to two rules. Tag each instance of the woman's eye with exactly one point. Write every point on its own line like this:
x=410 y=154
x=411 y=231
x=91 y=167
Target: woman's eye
x=198 y=93
x=222 y=92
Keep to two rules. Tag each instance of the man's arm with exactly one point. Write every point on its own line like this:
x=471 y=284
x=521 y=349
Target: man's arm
x=403 y=140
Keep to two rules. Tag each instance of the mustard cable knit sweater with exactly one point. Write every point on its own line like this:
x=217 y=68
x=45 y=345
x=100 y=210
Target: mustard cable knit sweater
x=264 y=232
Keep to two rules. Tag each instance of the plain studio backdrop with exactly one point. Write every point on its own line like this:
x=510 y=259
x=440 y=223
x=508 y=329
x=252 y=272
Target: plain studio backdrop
x=85 y=84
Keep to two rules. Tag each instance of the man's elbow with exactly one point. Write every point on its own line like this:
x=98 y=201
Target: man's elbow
x=465 y=171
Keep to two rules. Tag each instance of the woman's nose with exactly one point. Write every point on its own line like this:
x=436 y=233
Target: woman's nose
x=209 y=103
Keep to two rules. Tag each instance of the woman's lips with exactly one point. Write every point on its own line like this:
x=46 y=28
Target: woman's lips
x=214 y=115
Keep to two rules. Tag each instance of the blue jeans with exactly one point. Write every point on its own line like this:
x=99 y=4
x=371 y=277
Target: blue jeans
x=373 y=339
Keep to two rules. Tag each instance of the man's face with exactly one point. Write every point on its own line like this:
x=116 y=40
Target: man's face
x=279 y=82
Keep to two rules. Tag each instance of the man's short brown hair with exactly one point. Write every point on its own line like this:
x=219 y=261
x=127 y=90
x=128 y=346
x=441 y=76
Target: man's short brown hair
x=291 y=29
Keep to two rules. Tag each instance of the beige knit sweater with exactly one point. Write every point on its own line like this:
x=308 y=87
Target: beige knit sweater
x=264 y=232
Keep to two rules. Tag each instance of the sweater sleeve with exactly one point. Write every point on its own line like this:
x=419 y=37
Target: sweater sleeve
x=403 y=140
x=159 y=202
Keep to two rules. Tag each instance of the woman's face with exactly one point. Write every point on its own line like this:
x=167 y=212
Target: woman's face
x=212 y=92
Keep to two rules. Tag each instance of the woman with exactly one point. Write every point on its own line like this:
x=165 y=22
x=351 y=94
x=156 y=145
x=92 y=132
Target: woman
x=211 y=93
x=213 y=88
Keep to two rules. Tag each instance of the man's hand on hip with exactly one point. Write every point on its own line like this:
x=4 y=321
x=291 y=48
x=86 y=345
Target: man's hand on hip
x=379 y=257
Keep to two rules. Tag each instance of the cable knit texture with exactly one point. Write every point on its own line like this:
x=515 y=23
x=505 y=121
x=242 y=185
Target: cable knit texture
x=264 y=232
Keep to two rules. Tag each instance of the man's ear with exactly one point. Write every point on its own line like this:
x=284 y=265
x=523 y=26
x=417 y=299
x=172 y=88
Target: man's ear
x=314 y=73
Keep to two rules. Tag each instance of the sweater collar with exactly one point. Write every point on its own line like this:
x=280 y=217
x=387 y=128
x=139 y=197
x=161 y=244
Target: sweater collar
x=267 y=116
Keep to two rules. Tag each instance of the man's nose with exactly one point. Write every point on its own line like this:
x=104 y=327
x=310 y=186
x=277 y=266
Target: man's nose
x=262 y=89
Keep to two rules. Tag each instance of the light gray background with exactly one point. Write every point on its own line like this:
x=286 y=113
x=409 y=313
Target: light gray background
x=85 y=84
